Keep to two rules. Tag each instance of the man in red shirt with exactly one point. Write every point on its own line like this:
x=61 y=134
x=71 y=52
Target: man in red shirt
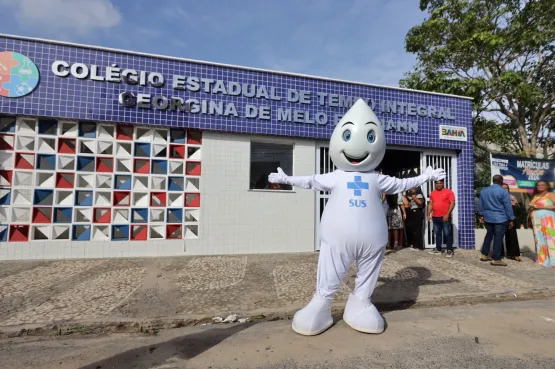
x=442 y=202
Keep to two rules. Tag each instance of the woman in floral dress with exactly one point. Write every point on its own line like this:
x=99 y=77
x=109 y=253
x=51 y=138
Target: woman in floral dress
x=542 y=214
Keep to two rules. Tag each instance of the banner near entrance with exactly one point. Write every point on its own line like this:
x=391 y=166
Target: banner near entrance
x=521 y=174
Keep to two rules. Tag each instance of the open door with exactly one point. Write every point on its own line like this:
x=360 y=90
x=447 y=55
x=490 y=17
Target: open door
x=448 y=162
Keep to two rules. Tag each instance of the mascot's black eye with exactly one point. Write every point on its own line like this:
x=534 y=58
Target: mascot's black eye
x=347 y=136
x=371 y=137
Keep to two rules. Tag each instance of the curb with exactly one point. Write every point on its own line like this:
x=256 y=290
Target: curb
x=153 y=326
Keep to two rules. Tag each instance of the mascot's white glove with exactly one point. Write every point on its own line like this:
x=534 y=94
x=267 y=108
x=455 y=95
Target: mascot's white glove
x=435 y=174
x=279 y=177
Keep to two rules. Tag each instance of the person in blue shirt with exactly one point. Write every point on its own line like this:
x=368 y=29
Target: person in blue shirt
x=497 y=212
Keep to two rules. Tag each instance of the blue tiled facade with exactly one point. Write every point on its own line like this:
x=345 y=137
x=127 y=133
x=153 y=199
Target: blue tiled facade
x=86 y=99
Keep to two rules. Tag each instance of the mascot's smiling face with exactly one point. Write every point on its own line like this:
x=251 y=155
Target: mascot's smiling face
x=358 y=141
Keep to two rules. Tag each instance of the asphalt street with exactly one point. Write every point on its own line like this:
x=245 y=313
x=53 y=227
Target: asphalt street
x=502 y=335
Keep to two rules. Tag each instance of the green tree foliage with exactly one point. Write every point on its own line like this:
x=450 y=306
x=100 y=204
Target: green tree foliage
x=500 y=53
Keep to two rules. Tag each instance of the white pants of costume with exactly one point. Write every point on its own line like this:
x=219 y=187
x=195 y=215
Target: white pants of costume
x=354 y=229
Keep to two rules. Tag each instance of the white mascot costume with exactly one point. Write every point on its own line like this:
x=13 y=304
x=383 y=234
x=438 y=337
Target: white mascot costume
x=353 y=226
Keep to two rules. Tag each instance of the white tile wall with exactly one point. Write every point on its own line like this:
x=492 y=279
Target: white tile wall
x=235 y=220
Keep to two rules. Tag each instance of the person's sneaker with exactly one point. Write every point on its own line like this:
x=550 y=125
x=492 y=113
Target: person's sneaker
x=450 y=254
x=485 y=258
x=498 y=263
x=435 y=252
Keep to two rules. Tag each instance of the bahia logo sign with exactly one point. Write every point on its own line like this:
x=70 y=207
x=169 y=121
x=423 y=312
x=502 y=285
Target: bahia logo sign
x=19 y=76
x=453 y=133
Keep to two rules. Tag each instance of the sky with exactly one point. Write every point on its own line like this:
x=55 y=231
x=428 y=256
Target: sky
x=357 y=40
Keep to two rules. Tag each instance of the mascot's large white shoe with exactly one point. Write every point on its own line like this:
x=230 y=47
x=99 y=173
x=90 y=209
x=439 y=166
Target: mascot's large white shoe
x=362 y=315
x=353 y=226
x=314 y=318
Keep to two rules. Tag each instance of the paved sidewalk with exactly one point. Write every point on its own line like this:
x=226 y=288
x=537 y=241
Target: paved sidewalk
x=58 y=293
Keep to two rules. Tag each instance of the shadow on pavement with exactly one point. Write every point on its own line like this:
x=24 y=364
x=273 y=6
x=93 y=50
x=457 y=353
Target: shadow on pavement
x=186 y=347
x=406 y=285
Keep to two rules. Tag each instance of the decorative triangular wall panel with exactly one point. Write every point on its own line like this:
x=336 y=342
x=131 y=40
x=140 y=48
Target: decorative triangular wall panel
x=159 y=151
x=101 y=233
x=4 y=215
x=7 y=142
x=46 y=145
x=193 y=184
x=26 y=126
x=104 y=181
x=140 y=183
x=7 y=160
x=64 y=198
x=45 y=179
x=20 y=215
x=46 y=162
x=124 y=149
x=120 y=216
x=66 y=162
x=102 y=215
x=48 y=127
x=86 y=147
x=5 y=196
x=25 y=143
x=158 y=183
x=192 y=215
x=191 y=231
x=25 y=161
x=140 y=198
x=194 y=153
x=22 y=197
x=41 y=232
x=160 y=135
x=106 y=132
x=157 y=215
x=102 y=198
x=81 y=181
x=67 y=129
x=124 y=165
x=175 y=199
x=176 y=184
x=61 y=232
x=175 y=167
x=85 y=180
x=6 y=178
x=143 y=134
x=82 y=215
x=157 y=232
x=105 y=148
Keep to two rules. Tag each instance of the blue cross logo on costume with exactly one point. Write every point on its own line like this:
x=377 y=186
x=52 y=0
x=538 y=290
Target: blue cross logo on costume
x=357 y=186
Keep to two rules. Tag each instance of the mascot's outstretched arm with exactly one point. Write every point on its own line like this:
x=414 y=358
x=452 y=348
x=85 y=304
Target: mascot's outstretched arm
x=317 y=182
x=392 y=185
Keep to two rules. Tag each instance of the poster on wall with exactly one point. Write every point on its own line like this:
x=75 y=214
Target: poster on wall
x=521 y=174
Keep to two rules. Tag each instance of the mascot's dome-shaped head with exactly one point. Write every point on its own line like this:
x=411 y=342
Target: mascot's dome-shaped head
x=357 y=143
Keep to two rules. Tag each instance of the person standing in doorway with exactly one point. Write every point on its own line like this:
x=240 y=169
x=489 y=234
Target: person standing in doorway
x=542 y=214
x=395 y=217
x=415 y=219
x=440 y=207
x=497 y=212
x=511 y=237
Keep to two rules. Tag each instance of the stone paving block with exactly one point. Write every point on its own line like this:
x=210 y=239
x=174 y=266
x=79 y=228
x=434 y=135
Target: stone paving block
x=225 y=271
x=41 y=277
x=88 y=300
